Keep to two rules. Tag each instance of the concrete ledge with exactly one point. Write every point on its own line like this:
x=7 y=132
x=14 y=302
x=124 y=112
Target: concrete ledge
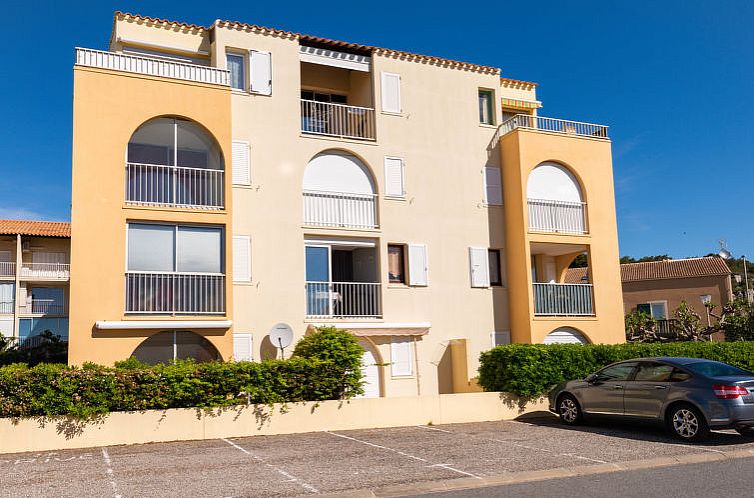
x=184 y=424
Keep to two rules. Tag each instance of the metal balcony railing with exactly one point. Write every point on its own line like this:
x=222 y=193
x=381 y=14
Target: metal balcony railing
x=337 y=120
x=343 y=300
x=560 y=126
x=152 y=66
x=175 y=293
x=557 y=216
x=6 y=307
x=47 y=307
x=159 y=185
x=52 y=271
x=7 y=269
x=340 y=209
x=563 y=299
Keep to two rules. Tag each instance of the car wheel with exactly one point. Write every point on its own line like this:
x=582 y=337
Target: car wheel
x=745 y=431
x=569 y=410
x=686 y=422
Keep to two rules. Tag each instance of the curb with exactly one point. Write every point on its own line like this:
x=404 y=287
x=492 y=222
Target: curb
x=539 y=475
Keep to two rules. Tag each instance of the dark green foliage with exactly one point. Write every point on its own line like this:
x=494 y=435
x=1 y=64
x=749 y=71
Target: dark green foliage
x=48 y=390
x=530 y=370
x=50 y=349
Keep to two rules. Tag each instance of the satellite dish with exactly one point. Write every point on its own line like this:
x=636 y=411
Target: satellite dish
x=281 y=335
x=724 y=252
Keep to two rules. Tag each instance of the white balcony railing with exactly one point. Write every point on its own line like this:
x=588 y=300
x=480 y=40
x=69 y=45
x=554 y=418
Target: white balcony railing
x=560 y=126
x=158 y=185
x=175 y=293
x=152 y=66
x=337 y=120
x=7 y=269
x=557 y=216
x=52 y=271
x=343 y=300
x=340 y=209
x=46 y=307
x=563 y=299
x=6 y=307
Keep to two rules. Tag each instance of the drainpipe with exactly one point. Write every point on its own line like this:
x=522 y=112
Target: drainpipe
x=17 y=287
x=416 y=360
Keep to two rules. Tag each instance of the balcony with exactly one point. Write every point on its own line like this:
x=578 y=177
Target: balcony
x=174 y=186
x=7 y=269
x=6 y=307
x=557 y=216
x=45 y=271
x=340 y=209
x=552 y=125
x=563 y=299
x=337 y=120
x=161 y=293
x=152 y=66
x=47 y=307
x=343 y=300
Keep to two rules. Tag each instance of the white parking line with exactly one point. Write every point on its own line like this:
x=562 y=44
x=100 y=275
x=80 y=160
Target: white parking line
x=291 y=478
x=407 y=455
x=110 y=476
x=519 y=445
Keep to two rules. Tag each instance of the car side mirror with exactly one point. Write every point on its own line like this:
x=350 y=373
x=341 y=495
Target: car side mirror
x=592 y=378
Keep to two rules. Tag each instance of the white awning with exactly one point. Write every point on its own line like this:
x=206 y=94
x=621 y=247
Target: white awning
x=162 y=324
x=334 y=58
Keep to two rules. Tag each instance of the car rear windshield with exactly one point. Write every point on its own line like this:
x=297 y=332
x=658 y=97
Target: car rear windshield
x=715 y=369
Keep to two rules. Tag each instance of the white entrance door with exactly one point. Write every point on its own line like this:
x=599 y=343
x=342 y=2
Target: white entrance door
x=371 y=374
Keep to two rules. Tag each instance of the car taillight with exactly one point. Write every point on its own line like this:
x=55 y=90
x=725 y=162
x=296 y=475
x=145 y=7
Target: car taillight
x=729 y=392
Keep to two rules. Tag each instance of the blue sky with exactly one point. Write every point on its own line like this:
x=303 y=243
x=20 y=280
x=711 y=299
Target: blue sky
x=673 y=79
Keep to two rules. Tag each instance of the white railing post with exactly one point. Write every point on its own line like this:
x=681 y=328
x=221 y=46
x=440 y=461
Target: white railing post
x=343 y=300
x=560 y=126
x=340 y=209
x=557 y=216
x=175 y=293
x=162 y=185
x=552 y=299
x=338 y=120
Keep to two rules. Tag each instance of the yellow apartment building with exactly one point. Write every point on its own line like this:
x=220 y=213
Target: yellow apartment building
x=233 y=180
x=34 y=276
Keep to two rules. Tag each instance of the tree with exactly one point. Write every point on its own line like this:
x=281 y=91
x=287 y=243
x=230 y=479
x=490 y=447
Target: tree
x=737 y=320
x=644 y=259
x=641 y=327
x=579 y=261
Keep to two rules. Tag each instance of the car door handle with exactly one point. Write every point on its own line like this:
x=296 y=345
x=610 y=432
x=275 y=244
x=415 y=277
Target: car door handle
x=617 y=386
x=661 y=387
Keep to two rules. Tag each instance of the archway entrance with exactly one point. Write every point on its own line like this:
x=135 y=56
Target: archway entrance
x=371 y=371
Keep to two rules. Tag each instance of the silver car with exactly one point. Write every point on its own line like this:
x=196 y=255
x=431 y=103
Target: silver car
x=690 y=395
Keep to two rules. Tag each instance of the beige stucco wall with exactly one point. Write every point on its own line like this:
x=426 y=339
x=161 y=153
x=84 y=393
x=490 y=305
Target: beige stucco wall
x=590 y=161
x=676 y=290
x=107 y=108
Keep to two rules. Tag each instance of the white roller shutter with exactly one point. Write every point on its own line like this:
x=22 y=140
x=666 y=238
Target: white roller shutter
x=261 y=72
x=391 y=92
x=241 y=166
x=394 y=177
x=242 y=350
x=418 y=267
x=241 y=258
x=493 y=188
x=479 y=267
x=401 y=361
x=500 y=338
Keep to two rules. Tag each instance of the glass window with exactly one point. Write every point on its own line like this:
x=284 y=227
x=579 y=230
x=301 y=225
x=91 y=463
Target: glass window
x=715 y=369
x=653 y=372
x=199 y=250
x=495 y=276
x=151 y=247
x=396 y=264
x=617 y=372
x=236 y=63
x=486 y=112
x=659 y=310
x=153 y=143
x=164 y=347
x=679 y=376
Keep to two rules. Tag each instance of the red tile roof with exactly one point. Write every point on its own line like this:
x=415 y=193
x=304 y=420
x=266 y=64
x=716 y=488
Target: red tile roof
x=336 y=44
x=661 y=270
x=38 y=228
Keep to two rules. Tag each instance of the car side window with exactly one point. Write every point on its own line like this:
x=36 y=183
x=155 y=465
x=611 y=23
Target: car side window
x=654 y=372
x=679 y=375
x=617 y=372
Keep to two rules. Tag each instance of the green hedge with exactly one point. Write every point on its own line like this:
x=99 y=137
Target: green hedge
x=530 y=370
x=54 y=389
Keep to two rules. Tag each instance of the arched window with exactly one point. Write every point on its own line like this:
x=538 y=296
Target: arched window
x=339 y=191
x=174 y=162
x=555 y=200
x=164 y=347
x=565 y=335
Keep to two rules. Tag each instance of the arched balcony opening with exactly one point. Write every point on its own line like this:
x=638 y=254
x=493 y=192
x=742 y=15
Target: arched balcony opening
x=555 y=201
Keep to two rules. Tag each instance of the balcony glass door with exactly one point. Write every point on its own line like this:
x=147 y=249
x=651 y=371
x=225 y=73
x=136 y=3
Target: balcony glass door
x=318 y=294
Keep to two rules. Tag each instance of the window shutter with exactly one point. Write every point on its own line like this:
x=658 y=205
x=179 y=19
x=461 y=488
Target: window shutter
x=261 y=72
x=241 y=167
x=418 y=268
x=479 y=267
x=241 y=258
x=400 y=356
x=242 y=350
x=394 y=177
x=493 y=187
x=391 y=92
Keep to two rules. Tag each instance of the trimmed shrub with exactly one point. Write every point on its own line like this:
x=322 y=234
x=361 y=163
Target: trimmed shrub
x=91 y=390
x=530 y=370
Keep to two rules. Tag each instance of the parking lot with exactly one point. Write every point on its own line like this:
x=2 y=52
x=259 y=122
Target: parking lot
x=332 y=462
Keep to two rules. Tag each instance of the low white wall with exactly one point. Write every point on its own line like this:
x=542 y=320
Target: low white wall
x=36 y=434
